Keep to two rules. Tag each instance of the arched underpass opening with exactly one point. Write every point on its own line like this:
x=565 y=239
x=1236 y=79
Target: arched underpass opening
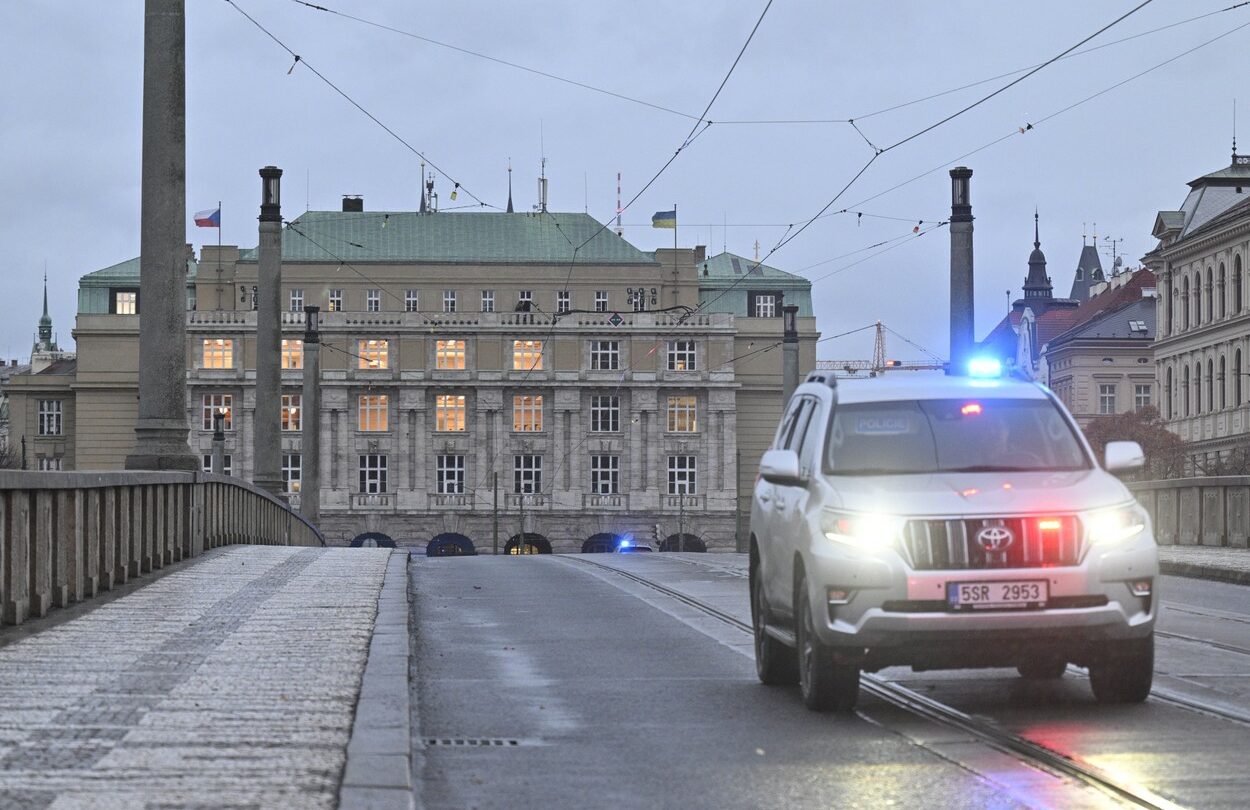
x=683 y=542
x=601 y=543
x=372 y=540
x=450 y=544
x=535 y=543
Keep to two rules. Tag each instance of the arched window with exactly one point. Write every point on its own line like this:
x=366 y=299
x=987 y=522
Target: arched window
x=1169 y=326
x=1210 y=293
x=1237 y=379
x=1223 y=386
x=1223 y=291
x=1185 y=391
x=1237 y=283
x=1210 y=385
x=1169 y=407
x=1185 y=303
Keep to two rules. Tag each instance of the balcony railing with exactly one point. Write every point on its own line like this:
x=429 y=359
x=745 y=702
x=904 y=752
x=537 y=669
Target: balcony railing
x=531 y=500
x=462 y=500
x=688 y=503
x=374 y=500
x=598 y=501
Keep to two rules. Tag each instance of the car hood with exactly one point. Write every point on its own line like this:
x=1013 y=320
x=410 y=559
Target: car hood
x=978 y=493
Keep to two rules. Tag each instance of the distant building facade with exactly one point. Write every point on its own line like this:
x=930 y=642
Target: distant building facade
x=39 y=401
x=1203 y=349
x=593 y=389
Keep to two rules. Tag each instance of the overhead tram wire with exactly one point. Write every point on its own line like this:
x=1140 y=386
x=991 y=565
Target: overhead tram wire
x=879 y=151
x=299 y=60
x=760 y=121
x=1029 y=126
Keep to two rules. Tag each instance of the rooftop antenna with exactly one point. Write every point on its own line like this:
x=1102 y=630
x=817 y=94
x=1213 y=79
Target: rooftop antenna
x=1084 y=234
x=757 y=250
x=429 y=187
x=510 y=185
x=1095 y=233
x=1234 y=130
x=724 y=233
x=1117 y=261
x=542 y=173
x=585 y=193
x=421 y=180
x=619 y=230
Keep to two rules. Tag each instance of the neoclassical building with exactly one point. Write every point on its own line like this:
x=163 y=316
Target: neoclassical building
x=1202 y=352
x=485 y=376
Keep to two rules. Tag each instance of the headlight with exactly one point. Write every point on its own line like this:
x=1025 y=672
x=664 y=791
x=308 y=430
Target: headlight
x=1115 y=525
x=866 y=530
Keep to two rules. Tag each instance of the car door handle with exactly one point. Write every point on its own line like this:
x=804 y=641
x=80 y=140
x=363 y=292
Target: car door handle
x=765 y=497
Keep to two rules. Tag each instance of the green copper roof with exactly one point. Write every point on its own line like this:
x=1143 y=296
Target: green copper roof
x=474 y=238
x=726 y=280
x=93 y=288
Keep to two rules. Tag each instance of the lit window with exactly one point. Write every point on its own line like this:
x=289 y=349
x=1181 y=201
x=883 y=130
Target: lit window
x=488 y=300
x=372 y=474
x=527 y=474
x=297 y=300
x=450 y=469
x=411 y=301
x=373 y=300
x=681 y=475
x=335 y=301
x=525 y=300
x=449 y=354
x=372 y=354
x=125 y=302
x=681 y=355
x=605 y=355
x=601 y=300
x=564 y=301
x=765 y=305
x=682 y=414
x=527 y=355
x=291 y=411
x=605 y=414
x=292 y=353
x=638 y=299
x=212 y=403
x=218 y=353
x=449 y=300
x=49 y=417
x=291 y=472
x=527 y=413
x=373 y=412
x=605 y=475
x=449 y=412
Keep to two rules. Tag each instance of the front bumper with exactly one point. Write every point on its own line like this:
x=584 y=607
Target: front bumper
x=897 y=615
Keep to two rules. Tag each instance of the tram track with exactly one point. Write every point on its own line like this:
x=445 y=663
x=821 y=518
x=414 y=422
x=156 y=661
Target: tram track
x=1019 y=747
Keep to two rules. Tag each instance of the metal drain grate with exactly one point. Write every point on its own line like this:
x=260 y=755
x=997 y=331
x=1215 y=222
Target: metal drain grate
x=470 y=742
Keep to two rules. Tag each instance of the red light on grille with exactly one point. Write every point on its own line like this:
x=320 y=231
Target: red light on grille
x=1049 y=525
x=971 y=409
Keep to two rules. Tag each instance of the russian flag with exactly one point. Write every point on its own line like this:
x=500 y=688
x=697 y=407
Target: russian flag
x=208 y=219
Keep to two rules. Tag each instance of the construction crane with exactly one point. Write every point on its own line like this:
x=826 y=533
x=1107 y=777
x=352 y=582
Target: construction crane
x=878 y=364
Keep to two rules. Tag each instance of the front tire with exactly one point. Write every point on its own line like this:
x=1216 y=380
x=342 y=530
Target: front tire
x=1124 y=672
x=825 y=683
x=775 y=663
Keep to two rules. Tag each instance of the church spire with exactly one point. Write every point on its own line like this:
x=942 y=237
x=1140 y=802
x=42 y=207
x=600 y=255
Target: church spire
x=1037 y=283
x=45 y=343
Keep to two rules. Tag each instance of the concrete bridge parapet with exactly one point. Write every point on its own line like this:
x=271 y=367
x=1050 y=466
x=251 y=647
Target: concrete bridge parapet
x=64 y=537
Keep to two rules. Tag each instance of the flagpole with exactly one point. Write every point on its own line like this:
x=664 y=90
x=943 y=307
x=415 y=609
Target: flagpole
x=675 y=258
x=219 y=290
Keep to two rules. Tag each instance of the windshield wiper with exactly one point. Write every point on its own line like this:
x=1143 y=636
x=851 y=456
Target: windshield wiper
x=977 y=468
x=878 y=471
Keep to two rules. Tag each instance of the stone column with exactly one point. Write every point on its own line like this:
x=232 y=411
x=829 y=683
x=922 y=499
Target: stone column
x=789 y=353
x=963 y=337
x=161 y=427
x=266 y=436
x=310 y=420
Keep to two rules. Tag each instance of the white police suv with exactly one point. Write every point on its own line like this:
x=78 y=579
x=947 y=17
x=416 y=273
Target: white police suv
x=945 y=522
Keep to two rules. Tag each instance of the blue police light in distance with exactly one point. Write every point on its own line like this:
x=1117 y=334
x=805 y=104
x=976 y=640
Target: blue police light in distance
x=626 y=541
x=985 y=368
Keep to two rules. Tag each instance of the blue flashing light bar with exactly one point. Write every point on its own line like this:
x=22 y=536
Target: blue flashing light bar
x=985 y=367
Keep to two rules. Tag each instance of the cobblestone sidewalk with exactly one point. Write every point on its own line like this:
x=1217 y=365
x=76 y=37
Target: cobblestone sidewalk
x=231 y=683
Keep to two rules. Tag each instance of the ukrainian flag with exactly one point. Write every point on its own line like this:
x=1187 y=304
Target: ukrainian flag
x=664 y=219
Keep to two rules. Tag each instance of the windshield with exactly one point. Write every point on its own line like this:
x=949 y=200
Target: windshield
x=952 y=435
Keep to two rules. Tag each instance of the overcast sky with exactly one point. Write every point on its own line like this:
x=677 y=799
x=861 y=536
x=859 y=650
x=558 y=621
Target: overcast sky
x=71 y=101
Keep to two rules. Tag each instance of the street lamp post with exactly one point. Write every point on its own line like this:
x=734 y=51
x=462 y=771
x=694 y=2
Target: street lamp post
x=310 y=421
x=219 y=442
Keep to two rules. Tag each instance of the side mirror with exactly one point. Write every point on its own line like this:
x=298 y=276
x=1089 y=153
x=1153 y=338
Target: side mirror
x=781 y=467
x=1124 y=456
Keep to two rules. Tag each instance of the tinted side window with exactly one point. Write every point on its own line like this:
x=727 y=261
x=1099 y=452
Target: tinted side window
x=780 y=442
x=809 y=448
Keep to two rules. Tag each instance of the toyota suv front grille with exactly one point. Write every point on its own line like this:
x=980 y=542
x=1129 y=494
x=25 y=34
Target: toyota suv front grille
x=980 y=543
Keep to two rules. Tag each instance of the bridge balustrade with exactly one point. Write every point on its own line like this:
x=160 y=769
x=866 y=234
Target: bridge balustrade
x=1210 y=511
x=67 y=536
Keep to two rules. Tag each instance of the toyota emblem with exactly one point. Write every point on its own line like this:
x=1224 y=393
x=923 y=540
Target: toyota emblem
x=995 y=538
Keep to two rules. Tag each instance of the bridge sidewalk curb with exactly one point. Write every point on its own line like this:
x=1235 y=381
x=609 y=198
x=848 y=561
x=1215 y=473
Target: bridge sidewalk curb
x=378 y=775
x=1218 y=573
